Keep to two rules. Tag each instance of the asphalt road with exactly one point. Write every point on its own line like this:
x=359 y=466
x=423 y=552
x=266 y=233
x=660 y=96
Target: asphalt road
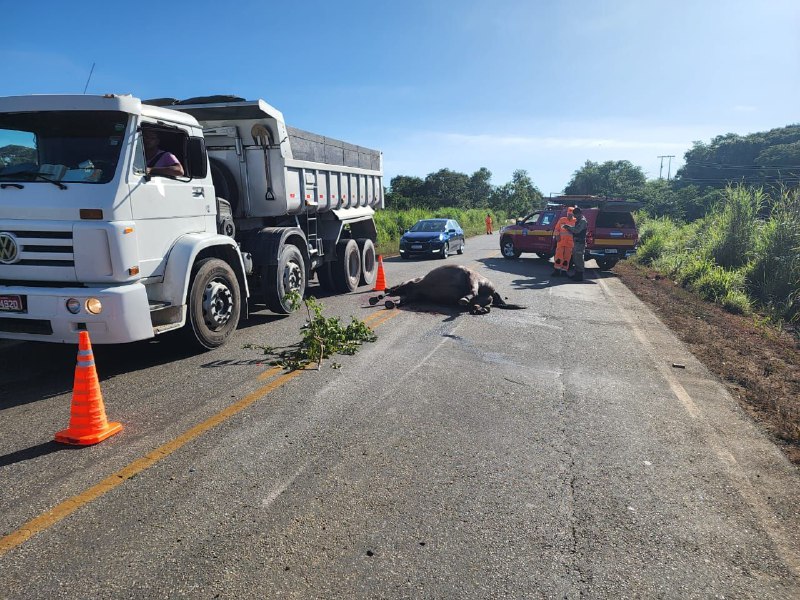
x=548 y=452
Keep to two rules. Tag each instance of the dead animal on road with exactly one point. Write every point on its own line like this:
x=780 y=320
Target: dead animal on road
x=452 y=285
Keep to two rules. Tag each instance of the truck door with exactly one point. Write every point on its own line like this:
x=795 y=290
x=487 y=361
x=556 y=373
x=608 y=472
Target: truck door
x=539 y=236
x=166 y=208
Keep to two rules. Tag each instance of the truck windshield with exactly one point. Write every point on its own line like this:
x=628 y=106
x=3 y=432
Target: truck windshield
x=61 y=146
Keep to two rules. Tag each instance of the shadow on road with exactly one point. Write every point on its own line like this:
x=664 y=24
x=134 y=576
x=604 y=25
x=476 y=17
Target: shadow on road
x=33 y=452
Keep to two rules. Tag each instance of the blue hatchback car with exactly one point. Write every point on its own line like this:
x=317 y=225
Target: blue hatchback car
x=433 y=237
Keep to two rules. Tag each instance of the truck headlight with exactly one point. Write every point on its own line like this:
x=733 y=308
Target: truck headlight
x=94 y=306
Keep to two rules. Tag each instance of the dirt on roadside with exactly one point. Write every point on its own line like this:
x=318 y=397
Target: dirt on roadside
x=759 y=363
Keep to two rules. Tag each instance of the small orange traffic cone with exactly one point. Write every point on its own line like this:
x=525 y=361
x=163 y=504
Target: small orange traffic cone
x=380 y=281
x=87 y=420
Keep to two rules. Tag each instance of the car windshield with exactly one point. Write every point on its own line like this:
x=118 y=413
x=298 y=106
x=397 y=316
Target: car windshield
x=61 y=146
x=429 y=226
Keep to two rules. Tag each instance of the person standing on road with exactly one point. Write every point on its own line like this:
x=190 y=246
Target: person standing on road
x=578 y=231
x=564 y=244
x=488 y=224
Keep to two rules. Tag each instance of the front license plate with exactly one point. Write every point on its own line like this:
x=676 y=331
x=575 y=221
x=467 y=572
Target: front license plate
x=416 y=246
x=11 y=303
x=611 y=250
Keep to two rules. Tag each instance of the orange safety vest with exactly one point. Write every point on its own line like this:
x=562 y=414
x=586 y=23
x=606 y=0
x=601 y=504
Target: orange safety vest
x=563 y=236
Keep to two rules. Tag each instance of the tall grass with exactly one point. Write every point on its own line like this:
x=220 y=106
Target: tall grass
x=773 y=277
x=731 y=235
x=732 y=256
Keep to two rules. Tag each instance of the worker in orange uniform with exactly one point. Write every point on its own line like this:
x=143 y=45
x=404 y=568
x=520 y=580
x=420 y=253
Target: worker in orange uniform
x=564 y=244
x=488 y=224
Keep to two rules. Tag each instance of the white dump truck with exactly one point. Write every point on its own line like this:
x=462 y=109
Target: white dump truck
x=93 y=236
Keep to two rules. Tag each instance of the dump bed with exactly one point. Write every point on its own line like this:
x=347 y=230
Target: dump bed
x=278 y=170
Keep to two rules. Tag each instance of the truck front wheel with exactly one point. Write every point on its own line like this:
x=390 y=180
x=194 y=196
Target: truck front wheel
x=289 y=275
x=214 y=303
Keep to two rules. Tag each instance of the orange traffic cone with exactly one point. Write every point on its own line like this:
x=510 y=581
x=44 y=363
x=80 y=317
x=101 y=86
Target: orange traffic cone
x=87 y=420
x=380 y=281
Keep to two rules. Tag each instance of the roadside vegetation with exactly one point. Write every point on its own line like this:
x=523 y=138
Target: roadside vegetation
x=743 y=255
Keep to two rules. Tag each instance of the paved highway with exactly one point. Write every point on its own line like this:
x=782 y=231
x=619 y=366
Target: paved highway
x=548 y=452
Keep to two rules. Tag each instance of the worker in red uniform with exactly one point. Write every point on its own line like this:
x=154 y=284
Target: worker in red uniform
x=488 y=224
x=564 y=244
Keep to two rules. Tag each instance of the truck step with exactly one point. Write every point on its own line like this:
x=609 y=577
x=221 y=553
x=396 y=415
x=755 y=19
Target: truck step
x=159 y=305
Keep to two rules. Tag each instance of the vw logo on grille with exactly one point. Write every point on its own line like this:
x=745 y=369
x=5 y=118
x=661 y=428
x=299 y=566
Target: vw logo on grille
x=9 y=249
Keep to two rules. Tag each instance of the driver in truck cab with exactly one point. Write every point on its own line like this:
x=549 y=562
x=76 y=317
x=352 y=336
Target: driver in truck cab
x=159 y=162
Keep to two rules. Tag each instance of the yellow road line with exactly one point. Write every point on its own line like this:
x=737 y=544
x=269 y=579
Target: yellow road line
x=383 y=317
x=67 y=507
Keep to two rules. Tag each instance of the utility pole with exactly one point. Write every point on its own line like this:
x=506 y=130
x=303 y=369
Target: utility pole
x=669 y=165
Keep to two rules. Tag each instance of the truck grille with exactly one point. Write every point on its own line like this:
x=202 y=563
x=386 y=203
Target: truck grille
x=43 y=249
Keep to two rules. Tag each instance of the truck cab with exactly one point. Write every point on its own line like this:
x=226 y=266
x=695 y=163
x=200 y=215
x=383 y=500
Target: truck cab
x=91 y=239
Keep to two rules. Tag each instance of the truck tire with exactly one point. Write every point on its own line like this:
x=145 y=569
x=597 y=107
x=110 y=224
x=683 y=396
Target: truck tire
x=369 y=262
x=346 y=270
x=507 y=248
x=544 y=255
x=224 y=183
x=286 y=276
x=213 y=303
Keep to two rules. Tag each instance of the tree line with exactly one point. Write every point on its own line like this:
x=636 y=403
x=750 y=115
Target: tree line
x=767 y=160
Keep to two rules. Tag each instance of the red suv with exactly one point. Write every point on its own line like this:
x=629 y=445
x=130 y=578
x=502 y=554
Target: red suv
x=611 y=236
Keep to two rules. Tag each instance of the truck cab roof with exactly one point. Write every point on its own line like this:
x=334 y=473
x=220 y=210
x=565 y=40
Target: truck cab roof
x=108 y=102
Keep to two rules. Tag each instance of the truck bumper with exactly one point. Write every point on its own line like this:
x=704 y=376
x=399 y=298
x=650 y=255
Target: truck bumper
x=611 y=253
x=125 y=315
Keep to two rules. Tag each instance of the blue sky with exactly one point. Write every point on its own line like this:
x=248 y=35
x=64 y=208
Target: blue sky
x=502 y=84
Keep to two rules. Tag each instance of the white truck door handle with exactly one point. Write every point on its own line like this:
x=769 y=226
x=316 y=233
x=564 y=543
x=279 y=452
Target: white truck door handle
x=198 y=192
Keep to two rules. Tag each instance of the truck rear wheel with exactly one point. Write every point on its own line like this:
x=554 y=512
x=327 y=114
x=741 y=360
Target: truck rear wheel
x=289 y=275
x=369 y=263
x=213 y=303
x=346 y=270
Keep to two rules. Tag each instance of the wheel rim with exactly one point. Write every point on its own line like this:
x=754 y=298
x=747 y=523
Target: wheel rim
x=292 y=277
x=217 y=304
x=508 y=248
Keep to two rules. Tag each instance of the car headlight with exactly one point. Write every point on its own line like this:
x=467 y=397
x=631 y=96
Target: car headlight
x=442 y=237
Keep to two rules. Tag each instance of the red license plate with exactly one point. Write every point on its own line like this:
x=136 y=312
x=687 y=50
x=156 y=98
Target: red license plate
x=11 y=303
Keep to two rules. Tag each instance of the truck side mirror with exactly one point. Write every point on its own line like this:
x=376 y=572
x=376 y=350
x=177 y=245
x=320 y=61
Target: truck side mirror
x=197 y=158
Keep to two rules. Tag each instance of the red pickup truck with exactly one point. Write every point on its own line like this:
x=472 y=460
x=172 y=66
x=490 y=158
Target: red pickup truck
x=611 y=236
